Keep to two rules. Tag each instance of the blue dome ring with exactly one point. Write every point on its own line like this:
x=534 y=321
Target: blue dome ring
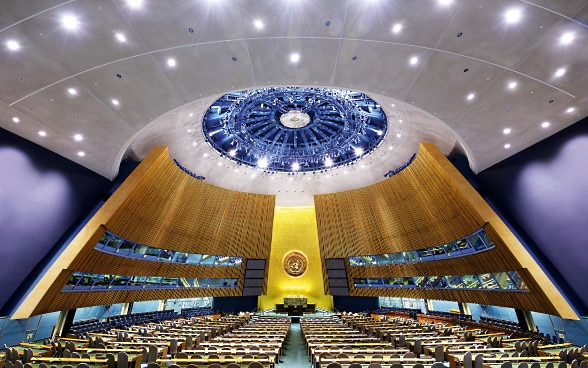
x=294 y=129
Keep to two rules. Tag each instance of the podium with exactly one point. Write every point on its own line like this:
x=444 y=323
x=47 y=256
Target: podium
x=295 y=306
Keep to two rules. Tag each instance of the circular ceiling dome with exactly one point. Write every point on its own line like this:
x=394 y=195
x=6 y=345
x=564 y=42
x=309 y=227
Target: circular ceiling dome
x=294 y=129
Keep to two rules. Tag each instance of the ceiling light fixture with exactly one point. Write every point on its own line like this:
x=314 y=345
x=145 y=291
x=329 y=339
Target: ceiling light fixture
x=171 y=62
x=567 y=38
x=506 y=131
x=81 y=153
x=135 y=4
x=15 y=120
x=512 y=85
x=414 y=60
x=570 y=110
x=560 y=72
x=328 y=162
x=445 y=2
x=72 y=91
x=120 y=37
x=507 y=146
x=545 y=124
x=70 y=22
x=12 y=45
x=295 y=166
x=262 y=163
x=295 y=57
x=115 y=102
x=258 y=24
x=513 y=16
x=42 y=133
x=397 y=28
x=78 y=137
x=471 y=96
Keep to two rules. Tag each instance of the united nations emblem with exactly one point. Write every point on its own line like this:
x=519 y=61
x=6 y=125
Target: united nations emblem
x=295 y=264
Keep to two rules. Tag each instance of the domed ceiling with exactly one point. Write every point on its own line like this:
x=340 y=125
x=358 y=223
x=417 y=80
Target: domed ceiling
x=99 y=80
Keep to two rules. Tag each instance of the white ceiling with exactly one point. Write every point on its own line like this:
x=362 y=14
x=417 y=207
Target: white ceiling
x=342 y=43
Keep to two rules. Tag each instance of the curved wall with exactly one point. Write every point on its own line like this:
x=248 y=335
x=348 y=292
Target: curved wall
x=161 y=206
x=426 y=204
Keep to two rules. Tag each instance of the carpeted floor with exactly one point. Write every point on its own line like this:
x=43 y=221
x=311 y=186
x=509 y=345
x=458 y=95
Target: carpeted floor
x=294 y=353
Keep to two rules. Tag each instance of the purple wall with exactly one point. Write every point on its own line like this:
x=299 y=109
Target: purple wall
x=544 y=189
x=42 y=195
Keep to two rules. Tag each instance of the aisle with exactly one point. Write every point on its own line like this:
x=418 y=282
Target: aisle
x=294 y=352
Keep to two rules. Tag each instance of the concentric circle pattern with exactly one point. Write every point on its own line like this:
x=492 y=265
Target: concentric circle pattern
x=294 y=129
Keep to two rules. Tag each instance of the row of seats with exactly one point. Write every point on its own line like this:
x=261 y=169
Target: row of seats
x=124 y=321
x=94 y=325
x=194 y=312
x=458 y=316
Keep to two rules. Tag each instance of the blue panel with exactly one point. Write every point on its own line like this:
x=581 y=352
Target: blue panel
x=147 y=306
x=355 y=303
x=46 y=325
x=444 y=305
x=15 y=331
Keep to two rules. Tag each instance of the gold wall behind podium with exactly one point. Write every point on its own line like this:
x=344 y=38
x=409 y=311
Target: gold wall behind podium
x=295 y=230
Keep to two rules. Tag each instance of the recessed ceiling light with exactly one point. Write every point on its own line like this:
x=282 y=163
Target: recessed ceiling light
x=219 y=164
x=115 y=102
x=560 y=72
x=16 y=120
x=258 y=24
x=171 y=62
x=358 y=151
x=70 y=22
x=445 y=2
x=135 y=4
x=512 y=85
x=72 y=91
x=81 y=153
x=328 y=162
x=120 y=37
x=233 y=152
x=12 y=45
x=42 y=133
x=570 y=110
x=397 y=28
x=567 y=38
x=545 y=124
x=295 y=166
x=205 y=155
x=78 y=137
x=295 y=57
x=506 y=131
x=471 y=96
x=398 y=135
x=507 y=146
x=413 y=60
x=513 y=15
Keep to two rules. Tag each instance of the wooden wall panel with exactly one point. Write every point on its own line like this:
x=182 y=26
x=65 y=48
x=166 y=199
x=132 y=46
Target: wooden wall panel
x=426 y=204
x=159 y=205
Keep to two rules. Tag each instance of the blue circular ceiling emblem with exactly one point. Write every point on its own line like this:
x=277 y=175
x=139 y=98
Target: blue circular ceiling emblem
x=294 y=129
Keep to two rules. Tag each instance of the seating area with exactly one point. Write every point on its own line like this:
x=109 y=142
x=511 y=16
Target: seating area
x=350 y=340
x=152 y=340
x=362 y=340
